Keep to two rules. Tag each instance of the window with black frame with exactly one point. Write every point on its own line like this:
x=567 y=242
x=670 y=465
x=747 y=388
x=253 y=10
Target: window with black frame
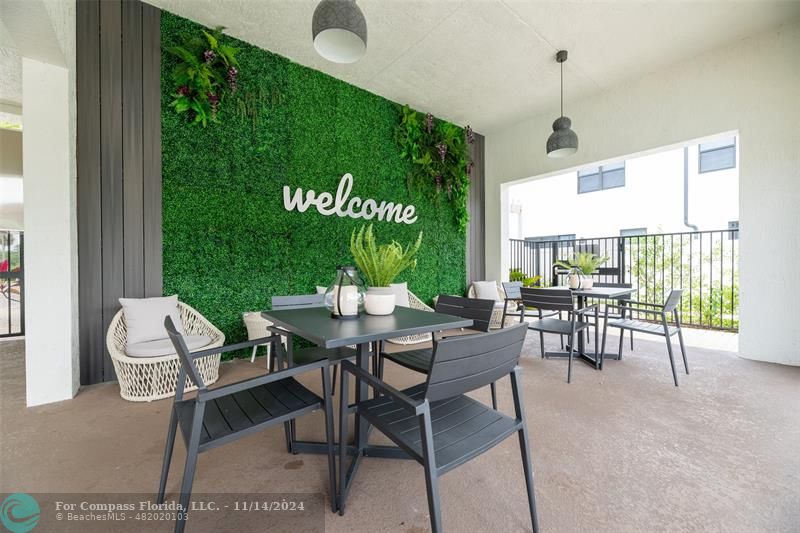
x=601 y=178
x=717 y=155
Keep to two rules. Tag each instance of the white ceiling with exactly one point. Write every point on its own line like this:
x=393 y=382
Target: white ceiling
x=487 y=62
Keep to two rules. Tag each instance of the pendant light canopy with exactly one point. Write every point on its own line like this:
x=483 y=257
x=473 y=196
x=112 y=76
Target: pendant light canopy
x=563 y=141
x=340 y=31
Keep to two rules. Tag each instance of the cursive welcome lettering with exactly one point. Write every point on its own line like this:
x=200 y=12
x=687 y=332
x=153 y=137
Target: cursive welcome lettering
x=343 y=206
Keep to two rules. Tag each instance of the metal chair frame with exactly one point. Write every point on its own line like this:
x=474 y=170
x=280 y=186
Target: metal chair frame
x=479 y=310
x=203 y=421
x=558 y=300
x=660 y=328
x=411 y=417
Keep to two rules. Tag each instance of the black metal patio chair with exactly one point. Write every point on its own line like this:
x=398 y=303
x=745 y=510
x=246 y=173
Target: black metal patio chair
x=419 y=360
x=558 y=300
x=224 y=414
x=435 y=422
x=659 y=327
x=514 y=299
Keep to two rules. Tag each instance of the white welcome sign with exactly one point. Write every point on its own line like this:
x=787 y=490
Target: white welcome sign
x=344 y=206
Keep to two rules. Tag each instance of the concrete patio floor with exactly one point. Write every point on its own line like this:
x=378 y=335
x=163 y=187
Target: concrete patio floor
x=620 y=450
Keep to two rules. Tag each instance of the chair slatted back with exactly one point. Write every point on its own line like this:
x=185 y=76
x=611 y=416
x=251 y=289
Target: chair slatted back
x=298 y=302
x=187 y=363
x=607 y=271
x=547 y=299
x=512 y=288
x=465 y=363
x=477 y=309
x=673 y=300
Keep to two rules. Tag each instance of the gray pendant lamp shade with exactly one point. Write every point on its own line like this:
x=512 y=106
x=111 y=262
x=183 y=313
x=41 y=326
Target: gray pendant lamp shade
x=563 y=141
x=340 y=31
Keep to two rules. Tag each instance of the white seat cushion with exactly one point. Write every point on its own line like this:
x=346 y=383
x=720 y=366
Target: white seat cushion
x=486 y=290
x=164 y=346
x=144 y=317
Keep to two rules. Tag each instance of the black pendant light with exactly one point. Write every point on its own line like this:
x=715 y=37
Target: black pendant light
x=340 y=31
x=563 y=141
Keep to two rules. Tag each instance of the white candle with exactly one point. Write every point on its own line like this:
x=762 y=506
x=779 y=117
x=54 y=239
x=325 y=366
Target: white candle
x=349 y=300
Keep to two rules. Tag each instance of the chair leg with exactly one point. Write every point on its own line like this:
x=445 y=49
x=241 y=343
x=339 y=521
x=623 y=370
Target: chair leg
x=328 y=394
x=287 y=430
x=494 y=395
x=541 y=342
x=253 y=356
x=671 y=359
x=631 y=340
x=571 y=351
x=621 y=337
x=527 y=467
x=344 y=399
x=191 y=464
x=333 y=380
x=173 y=428
x=683 y=351
x=603 y=345
x=269 y=354
x=431 y=478
x=381 y=361
x=293 y=434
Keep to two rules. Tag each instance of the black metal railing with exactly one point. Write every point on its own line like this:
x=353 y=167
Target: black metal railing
x=705 y=264
x=12 y=283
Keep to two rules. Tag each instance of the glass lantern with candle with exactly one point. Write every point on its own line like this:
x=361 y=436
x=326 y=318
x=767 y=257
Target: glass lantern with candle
x=344 y=298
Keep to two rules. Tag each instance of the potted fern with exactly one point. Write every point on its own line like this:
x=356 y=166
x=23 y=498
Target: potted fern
x=380 y=264
x=581 y=266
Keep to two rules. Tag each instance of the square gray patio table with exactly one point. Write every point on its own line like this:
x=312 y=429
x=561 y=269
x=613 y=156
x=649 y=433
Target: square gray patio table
x=316 y=325
x=601 y=293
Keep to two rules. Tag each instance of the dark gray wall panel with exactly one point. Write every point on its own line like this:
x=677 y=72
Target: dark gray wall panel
x=119 y=167
x=476 y=234
x=88 y=147
x=132 y=152
x=151 y=91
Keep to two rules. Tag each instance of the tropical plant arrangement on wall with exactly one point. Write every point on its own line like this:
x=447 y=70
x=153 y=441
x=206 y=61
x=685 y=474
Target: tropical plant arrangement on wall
x=205 y=71
x=438 y=151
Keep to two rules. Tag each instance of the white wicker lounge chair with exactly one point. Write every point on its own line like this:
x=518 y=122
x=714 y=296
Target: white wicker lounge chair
x=144 y=379
x=497 y=314
x=414 y=303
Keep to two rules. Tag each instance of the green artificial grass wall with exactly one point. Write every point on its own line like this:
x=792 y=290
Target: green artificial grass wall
x=229 y=244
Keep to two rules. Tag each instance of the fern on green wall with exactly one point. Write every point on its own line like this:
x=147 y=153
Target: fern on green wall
x=229 y=244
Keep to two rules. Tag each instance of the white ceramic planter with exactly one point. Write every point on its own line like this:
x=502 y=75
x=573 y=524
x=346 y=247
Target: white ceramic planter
x=587 y=282
x=379 y=301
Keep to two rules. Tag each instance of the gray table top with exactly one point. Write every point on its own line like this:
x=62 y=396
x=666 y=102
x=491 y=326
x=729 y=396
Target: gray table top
x=316 y=325
x=601 y=292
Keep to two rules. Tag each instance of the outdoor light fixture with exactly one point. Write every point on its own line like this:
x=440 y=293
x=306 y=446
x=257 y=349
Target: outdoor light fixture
x=340 y=31
x=563 y=141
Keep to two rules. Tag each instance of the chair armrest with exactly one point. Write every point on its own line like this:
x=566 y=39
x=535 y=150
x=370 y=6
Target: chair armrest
x=237 y=346
x=260 y=380
x=637 y=309
x=404 y=400
x=660 y=306
x=586 y=309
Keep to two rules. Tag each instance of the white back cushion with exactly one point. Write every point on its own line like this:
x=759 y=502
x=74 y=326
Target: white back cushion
x=486 y=290
x=400 y=294
x=144 y=317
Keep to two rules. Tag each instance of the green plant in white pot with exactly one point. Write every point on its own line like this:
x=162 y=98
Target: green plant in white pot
x=581 y=266
x=380 y=264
